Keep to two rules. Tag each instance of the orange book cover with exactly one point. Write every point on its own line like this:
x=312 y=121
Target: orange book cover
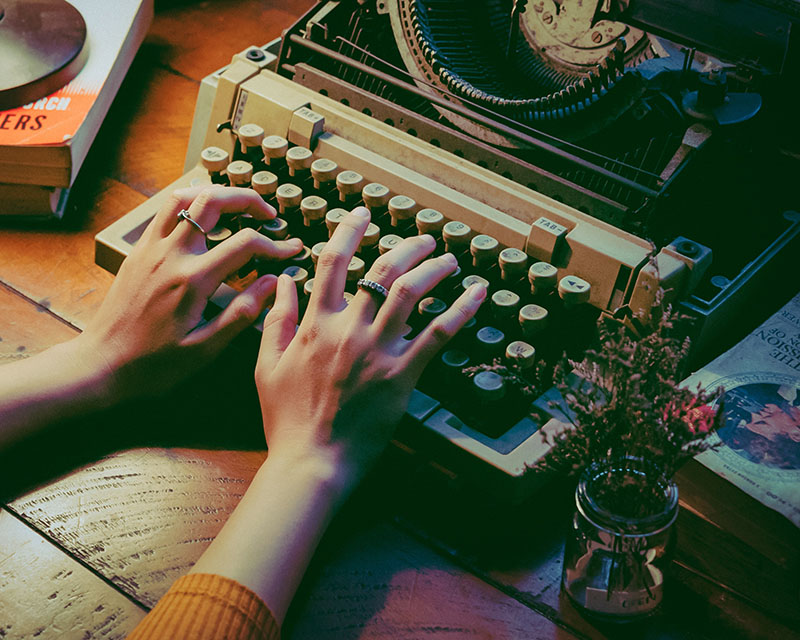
x=44 y=142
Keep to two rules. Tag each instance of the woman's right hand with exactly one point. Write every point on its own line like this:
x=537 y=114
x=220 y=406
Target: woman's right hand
x=333 y=391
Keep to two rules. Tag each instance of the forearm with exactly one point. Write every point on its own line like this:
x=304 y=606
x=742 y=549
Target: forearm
x=65 y=381
x=270 y=538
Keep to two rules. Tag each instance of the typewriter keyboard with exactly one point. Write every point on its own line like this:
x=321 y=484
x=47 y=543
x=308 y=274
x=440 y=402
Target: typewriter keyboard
x=547 y=279
x=531 y=315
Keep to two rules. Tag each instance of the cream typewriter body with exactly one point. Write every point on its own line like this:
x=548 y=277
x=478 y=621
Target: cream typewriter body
x=543 y=259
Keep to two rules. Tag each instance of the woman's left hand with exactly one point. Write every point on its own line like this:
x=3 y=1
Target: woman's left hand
x=149 y=330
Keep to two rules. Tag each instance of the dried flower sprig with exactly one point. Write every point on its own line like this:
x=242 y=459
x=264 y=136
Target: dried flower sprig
x=628 y=401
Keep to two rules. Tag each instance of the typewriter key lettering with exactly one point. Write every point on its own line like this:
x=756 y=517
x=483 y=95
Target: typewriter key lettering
x=521 y=354
x=250 y=135
x=214 y=159
x=388 y=242
x=333 y=218
x=574 y=290
x=240 y=173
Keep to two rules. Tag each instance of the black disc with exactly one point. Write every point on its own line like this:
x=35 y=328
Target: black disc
x=41 y=48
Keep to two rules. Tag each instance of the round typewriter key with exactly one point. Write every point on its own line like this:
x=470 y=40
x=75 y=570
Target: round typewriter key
x=349 y=184
x=274 y=148
x=333 y=218
x=275 y=229
x=369 y=240
x=289 y=196
x=388 y=242
x=299 y=158
x=348 y=298
x=430 y=221
x=489 y=386
x=543 y=277
x=313 y=209
x=316 y=251
x=513 y=263
x=308 y=287
x=532 y=319
x=375 y=196
x=574 y=290
x=401 y=208
x=521 y=354
x=455 y=359
x=429 y=308
x=324 y=173
x=214 y=159
x=217 y=235
x=298 y=274
x=240 y=173
x=467 y=282
x=250 y=135
x=302 y=259
x=505 y=304
x=355 y=271
x=490 y=341
x=456 y=236
x=484 y=250
x=453 y=362
x=264 y=183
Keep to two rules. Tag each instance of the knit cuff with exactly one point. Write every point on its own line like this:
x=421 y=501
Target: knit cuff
x=205 y=606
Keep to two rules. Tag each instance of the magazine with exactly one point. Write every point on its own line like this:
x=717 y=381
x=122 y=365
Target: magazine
x=759 y=439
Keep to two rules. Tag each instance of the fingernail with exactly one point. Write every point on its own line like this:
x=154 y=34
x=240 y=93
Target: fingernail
x=449 y=257
x=295 y=242
x=477 y=292
x=361 y=212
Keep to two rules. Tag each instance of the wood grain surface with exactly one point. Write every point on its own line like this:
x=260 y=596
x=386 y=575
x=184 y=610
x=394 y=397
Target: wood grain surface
x=143 y=517
x=118 y=506
x=47 y=594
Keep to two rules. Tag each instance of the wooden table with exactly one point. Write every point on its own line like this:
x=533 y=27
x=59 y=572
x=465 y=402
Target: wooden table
x=90 y=539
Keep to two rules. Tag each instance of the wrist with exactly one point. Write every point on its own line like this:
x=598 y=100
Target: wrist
x=91 y=373
x=321 y=469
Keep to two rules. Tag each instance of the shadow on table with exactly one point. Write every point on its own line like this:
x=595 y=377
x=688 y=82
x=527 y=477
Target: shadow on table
x=216 y=408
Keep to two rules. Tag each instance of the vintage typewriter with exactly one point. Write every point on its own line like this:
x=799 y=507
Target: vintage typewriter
x=572 y=158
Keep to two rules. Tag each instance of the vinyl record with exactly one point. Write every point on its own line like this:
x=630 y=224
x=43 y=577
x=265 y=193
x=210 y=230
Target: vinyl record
x=42 y=47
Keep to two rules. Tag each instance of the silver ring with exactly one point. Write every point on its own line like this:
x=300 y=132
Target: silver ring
x=183 y=214
x=370 y=286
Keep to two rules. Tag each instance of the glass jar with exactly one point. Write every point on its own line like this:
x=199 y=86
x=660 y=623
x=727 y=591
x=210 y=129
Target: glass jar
x=614 y=564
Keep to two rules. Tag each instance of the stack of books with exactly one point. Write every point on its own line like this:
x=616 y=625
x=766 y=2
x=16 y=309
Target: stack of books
x=740 y=502
x=44 y=143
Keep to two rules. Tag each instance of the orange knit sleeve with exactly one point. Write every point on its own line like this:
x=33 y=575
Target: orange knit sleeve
x=202 y=606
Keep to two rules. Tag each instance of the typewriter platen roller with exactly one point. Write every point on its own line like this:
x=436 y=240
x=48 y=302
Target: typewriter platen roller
x=556 y=204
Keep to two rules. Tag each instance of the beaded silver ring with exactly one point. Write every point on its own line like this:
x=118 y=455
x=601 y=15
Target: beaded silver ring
x=370 y=286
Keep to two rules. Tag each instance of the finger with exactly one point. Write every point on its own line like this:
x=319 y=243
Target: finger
x=331 y=273
x=215 y=200
x=167 y=217
x=390 y=266
x=279 y=325
x=242 y=312
x=235 y=252
x=442 y=328
x=407 y=291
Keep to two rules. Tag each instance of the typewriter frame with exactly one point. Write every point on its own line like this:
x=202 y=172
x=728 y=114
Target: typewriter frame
x=624 y=270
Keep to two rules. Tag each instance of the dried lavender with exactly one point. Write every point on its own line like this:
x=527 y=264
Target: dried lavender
x=628 y=401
